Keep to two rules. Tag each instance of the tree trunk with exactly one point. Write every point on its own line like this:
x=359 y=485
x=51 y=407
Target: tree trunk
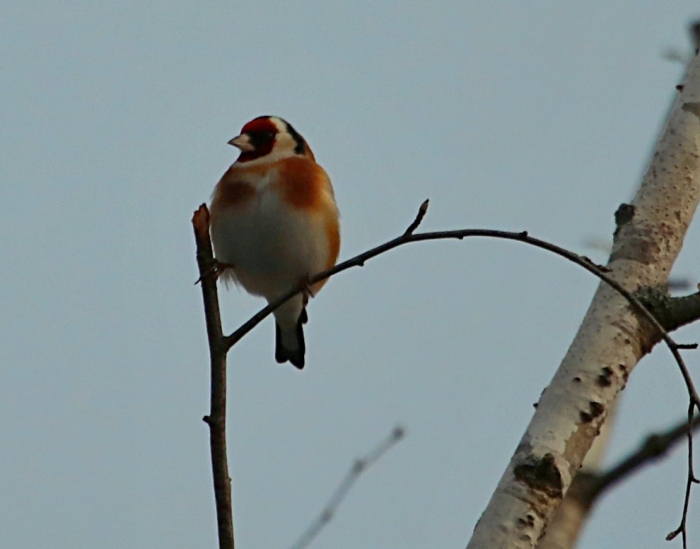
x=610 y=341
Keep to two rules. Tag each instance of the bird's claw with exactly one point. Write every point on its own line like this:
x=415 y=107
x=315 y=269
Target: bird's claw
x=307 y=290
x=216 y=270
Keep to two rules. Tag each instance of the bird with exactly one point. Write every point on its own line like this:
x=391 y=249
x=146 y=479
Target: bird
x=275 y=224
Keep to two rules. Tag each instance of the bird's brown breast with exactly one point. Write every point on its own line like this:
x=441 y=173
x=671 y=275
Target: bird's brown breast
x=233 y=190
x=302 y=182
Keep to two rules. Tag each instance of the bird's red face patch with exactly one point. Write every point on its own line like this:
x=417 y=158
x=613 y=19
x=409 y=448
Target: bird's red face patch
x=261 y=133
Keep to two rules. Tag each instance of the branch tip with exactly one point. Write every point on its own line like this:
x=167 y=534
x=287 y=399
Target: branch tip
x=398 y=433
x=419 y=218
x=200 y=219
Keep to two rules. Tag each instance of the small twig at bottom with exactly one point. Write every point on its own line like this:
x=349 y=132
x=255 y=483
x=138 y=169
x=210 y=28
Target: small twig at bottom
x=358 y=467
x=690 y=480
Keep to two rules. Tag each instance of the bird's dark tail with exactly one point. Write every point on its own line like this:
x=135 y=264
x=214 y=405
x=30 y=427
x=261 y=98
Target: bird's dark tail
x=289 y=344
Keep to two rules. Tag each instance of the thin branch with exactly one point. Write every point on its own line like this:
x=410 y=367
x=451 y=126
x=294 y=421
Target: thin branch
x=588 y=486
x=358 y=467
x=208 y=277
x=690 y=480
x=654 y=447
x=419 y=218
x=410 y=237
x=217 y=354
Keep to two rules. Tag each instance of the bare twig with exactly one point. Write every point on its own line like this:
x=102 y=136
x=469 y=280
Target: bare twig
x=588 y=487
x=224 y=344
x=654 y=447
x=690 y=480
x=419 y=218
x=410 y=237
x=217 y=354
x=359 y=466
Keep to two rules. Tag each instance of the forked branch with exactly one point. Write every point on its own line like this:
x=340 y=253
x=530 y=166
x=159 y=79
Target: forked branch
x=220 y=345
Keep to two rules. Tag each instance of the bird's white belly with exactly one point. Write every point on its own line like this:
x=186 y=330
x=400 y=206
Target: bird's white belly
x=271 y=245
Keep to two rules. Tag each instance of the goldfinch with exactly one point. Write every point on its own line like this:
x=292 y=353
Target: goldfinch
x=275 y=223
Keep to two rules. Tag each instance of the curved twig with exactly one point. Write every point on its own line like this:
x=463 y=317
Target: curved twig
x=409 y=236
x=222 y=344
x=690 y=480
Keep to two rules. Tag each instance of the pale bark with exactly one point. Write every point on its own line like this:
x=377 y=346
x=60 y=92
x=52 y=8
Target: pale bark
x=609 y=343
x=568 y=521
x=566 y=525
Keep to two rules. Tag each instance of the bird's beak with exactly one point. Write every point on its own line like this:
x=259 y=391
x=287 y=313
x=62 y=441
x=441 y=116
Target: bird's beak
x=242 y=142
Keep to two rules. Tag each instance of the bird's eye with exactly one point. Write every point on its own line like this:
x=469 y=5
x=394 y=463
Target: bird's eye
x=264 y=136
x=261 y=138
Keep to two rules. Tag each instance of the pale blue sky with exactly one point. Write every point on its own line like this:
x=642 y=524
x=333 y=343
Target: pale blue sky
x=114 y=118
